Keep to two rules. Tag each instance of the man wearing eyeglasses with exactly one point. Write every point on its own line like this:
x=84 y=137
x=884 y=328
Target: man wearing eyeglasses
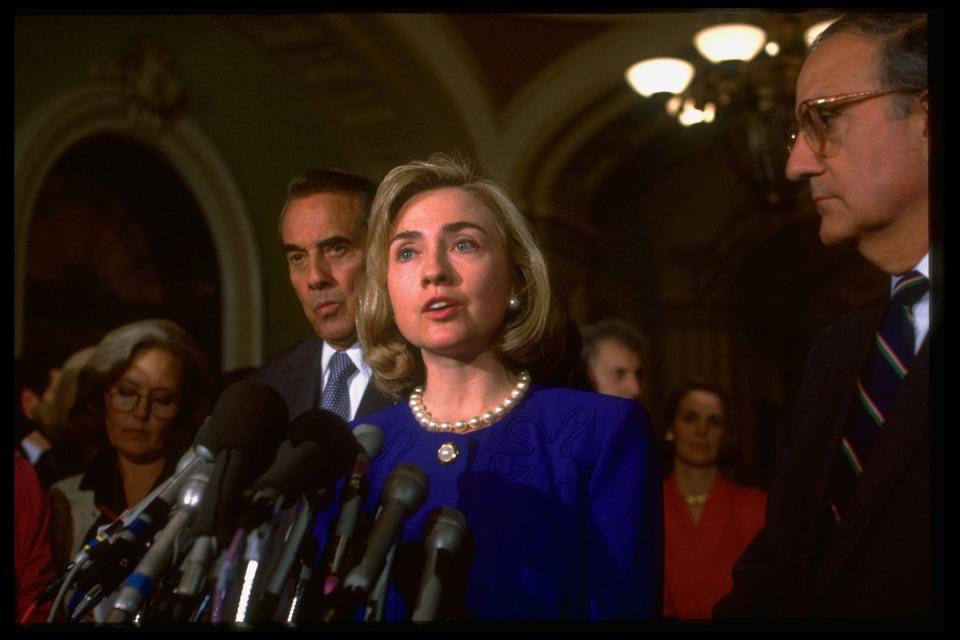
x=848 y=526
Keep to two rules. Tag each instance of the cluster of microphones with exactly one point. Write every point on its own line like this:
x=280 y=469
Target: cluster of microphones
x=229 y=536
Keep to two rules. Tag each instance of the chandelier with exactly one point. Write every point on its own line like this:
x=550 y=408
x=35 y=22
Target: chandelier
x=742 y=77
x=729 y=66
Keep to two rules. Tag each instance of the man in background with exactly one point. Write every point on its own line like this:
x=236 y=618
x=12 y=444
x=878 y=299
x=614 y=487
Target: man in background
x=614 y=352
x=323 y=228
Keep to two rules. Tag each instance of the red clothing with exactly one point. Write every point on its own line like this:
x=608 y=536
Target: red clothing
x=32 y=561
x=698 y=558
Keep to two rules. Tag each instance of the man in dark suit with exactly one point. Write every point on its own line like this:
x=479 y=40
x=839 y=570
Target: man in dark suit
x=323 y=228
x=848 y=527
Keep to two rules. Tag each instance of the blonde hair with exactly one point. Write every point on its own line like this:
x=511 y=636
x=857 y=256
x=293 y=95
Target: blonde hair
x=532 y=336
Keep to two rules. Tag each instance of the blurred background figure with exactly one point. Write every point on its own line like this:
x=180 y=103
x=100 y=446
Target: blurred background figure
x=144 y=392
x=615 y=353
x=708 y=519
x=32 y=564
x=35 y=374
x=62 y=449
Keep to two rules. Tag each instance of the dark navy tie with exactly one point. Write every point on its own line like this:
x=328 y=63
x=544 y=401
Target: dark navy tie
x=336 y=394
x=887 y=364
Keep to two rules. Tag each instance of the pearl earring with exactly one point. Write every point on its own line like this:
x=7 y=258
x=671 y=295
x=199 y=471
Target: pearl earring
x=513 y=303
x=669 y=436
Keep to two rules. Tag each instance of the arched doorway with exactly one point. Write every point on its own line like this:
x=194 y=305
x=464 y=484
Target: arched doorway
x=117 y=236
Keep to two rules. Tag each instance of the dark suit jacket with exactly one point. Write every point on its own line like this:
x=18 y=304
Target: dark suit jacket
x=296 y=374
x=879 y=562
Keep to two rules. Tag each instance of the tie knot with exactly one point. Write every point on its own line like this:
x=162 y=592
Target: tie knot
x=341 y=365
x=910 y=288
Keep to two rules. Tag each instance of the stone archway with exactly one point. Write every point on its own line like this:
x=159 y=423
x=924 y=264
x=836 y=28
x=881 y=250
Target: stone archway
x=105 y=106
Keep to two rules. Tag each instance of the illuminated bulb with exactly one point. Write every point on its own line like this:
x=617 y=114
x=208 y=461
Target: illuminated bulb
x=658 y=75
x=772 y=49
x=673 y=105
x=730 y=42
x=691 y=115
x=709 y=112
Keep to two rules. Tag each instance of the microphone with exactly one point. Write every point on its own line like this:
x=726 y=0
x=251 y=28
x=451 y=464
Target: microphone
x=123 y=540
x=370 y=438
x=138 y=520
x=445 y=531
x=256 y=417
x=317 y=453
x=139 y=586
x=234 y=420
x=404 y=491
x=257 y=420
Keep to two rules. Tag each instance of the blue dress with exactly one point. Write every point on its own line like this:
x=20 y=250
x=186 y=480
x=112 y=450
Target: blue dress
x=562 y=499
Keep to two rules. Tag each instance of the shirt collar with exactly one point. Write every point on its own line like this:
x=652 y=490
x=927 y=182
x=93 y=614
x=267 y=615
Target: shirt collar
x=354 y=352
x=922 y=267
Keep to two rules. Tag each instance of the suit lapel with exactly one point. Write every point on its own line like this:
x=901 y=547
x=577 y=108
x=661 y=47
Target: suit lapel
x=839 y=384
x=302 y=378
x=372 y=401
x=901 y=435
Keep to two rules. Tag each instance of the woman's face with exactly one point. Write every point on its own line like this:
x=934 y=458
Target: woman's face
x=448 y=273
x=150 y=387
x=698 y=428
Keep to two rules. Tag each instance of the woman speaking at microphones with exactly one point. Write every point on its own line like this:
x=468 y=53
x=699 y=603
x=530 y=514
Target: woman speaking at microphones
x=559 y=489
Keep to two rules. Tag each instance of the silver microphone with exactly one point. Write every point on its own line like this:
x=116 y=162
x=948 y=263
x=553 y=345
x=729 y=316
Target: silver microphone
x=404 y=491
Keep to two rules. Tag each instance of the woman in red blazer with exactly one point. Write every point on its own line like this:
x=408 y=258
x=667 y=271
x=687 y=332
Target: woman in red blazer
x=708 y=519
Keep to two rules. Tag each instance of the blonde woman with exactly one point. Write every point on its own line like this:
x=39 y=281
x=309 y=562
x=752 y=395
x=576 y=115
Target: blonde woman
x=559 y=488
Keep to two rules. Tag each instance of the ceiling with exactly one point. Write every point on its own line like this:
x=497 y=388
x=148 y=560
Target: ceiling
x=534 y=98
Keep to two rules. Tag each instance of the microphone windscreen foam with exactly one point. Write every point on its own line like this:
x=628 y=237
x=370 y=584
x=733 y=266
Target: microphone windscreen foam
x=249 y=415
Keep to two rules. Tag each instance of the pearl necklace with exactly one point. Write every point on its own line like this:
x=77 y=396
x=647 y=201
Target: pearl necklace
x=485 y=419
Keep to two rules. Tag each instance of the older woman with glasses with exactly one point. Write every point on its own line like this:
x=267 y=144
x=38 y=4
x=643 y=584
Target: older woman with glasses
x=144 y=391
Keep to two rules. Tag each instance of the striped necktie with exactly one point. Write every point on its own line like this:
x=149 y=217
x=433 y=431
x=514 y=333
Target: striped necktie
x=887 y=364
x=336 y=395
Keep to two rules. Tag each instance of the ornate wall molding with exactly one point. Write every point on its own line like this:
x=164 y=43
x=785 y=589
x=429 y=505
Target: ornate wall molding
x=105 y=104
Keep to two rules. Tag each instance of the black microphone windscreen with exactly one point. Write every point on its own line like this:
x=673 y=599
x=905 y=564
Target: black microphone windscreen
x=247 y=422
x=248 y=415
x=321 y=448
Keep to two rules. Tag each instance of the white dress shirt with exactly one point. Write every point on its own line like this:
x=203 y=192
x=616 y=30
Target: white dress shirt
x=921 y=309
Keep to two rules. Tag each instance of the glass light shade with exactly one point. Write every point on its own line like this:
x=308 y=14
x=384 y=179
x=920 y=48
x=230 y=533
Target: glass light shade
x=657 y=75
x=812 y=32
x=730 y=42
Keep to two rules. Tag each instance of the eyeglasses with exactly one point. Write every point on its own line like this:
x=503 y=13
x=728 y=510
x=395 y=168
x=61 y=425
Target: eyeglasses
x=815 y=115
x=162 y=404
